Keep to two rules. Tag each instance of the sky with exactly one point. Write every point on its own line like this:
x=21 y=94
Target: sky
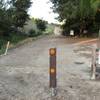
x=41 y=9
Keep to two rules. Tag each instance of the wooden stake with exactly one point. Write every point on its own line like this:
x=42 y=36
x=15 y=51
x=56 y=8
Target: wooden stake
x=7 y=47
x=52 y=72
x=93 y=65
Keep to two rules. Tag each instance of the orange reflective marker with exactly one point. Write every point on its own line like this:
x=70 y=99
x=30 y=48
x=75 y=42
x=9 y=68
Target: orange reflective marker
x=52 y=70
x=52 y=51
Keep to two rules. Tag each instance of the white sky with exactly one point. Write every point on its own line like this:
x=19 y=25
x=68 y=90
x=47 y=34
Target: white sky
x=41 y=9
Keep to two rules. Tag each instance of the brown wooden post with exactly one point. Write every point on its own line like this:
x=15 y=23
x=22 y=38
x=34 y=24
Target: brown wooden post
x=93 y=65
x=52 y=71
x=95 y=57
x=98 y=45
x=98 y=42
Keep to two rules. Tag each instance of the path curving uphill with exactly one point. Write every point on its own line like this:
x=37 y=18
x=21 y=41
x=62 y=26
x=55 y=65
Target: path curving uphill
x=24 y=72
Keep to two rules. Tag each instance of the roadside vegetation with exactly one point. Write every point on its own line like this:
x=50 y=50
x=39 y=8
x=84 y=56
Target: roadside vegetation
x=16 y=25
x=83 y=16
x=13 y=15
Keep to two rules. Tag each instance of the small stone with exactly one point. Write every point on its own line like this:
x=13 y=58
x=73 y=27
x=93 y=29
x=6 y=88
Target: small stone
x=71 y=86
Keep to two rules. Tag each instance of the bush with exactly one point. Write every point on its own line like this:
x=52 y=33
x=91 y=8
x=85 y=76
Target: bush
x=32 y=33
x=39 y=33
x=41 y=24
x=3 y=42
x=15 y=37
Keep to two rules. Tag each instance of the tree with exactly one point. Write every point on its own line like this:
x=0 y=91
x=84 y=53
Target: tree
x=5 y=18
x=66 y=9
x=41 y=24
x=95 y=5
x=77 y=13
x=14 y=14
x=20 y=12
x=85 y=14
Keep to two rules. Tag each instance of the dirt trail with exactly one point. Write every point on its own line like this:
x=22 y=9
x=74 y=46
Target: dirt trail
x=24 y=71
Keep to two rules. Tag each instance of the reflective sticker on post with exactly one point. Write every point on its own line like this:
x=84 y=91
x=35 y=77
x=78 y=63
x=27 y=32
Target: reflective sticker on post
x=52 y=51
x=52 y=70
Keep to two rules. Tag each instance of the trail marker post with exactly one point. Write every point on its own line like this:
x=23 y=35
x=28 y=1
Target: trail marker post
x=7 y=47
x=93 y=66
x=98 y=45
x=52 y=71
x=95 y=58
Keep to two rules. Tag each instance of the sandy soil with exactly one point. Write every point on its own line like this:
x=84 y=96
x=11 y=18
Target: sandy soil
x=24 y=72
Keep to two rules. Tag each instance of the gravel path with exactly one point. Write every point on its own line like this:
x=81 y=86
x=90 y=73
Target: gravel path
x=24 y=71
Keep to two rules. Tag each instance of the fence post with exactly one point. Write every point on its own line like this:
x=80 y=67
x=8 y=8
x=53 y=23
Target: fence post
x=7 y=46
x=98 y=44
x=93 y=65
x=52 y=72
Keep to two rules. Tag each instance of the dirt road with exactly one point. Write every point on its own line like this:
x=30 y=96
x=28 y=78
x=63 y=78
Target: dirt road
x=24 y=71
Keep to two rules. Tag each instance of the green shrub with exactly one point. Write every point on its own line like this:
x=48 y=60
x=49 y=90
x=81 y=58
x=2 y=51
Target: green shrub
x=39 y=33
x=15 y=38
x=32 y=33
x=3 y=42
x=2 y=49
x=41 y=24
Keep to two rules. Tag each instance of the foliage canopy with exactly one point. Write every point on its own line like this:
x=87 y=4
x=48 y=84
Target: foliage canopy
x=78 y=14
x=13 y=14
